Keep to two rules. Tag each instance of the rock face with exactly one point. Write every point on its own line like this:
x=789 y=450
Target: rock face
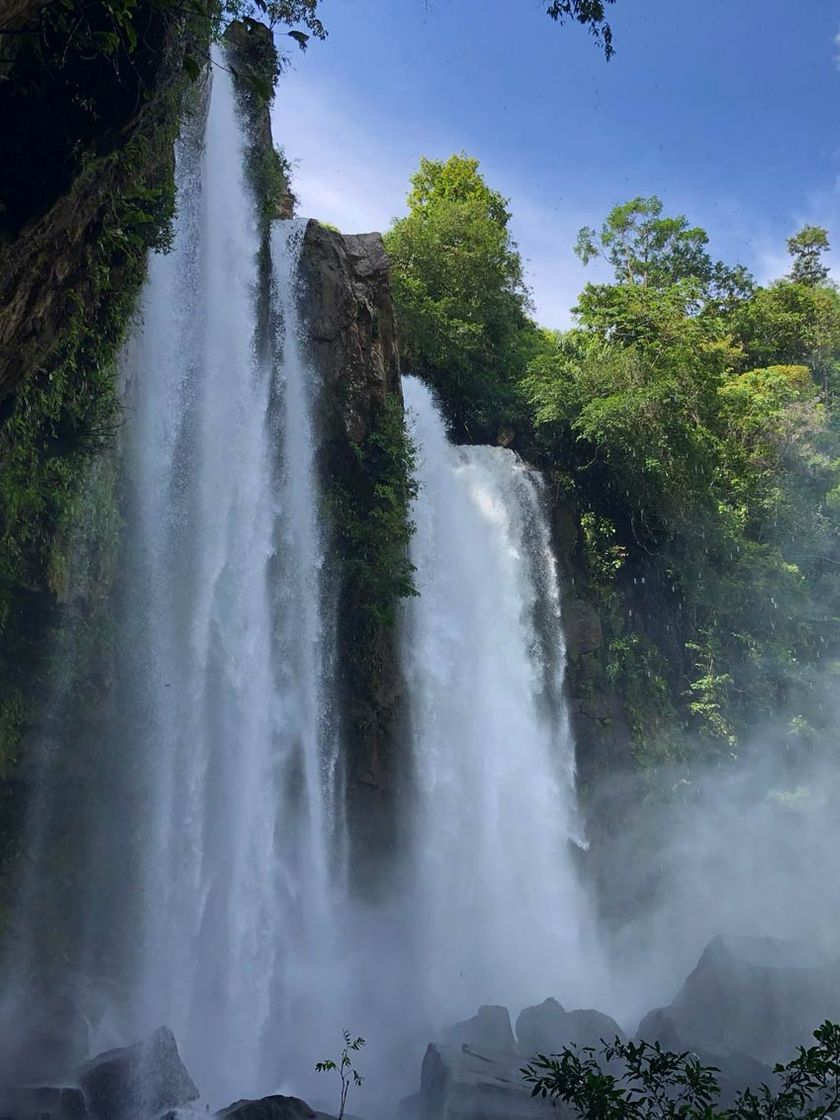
x=42 y=1103
x=137 y=1081
x=350 y=321
x=547 y=1028
x=468 y=1083
x=754 y=996
x=489 y=1029
x=268 y=1108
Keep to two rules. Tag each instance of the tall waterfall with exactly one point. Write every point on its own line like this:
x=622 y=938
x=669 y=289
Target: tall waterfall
x=501 y=915
x=228 y=609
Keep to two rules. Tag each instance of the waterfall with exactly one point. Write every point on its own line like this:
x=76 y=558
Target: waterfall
x=212 y=833
x=230 y=637
x=500 y=909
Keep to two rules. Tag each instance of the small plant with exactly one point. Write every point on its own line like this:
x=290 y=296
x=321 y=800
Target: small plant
x=348 y=1074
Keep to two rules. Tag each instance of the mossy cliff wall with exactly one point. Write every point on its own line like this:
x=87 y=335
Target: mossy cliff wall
x=87 y=189
x=366 y=461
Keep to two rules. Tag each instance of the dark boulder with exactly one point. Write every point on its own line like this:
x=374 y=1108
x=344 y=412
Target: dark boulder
x=548 y=1027
x=467 y=1083
x=42 y=1103
x=754 y=996
x=489 y=1029
x=137 y=1081
x=269 y=1108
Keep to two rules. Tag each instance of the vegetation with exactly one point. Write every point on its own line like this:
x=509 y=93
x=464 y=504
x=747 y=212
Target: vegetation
x=690 y=418
x=345 y=1069
x=641 y=1081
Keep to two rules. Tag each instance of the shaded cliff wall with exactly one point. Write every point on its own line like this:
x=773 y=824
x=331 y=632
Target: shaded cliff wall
x=86 y=146
x=366 y=464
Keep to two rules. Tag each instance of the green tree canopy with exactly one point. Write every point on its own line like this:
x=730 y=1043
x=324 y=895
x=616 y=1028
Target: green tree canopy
x=807 y=248
x=459 y=291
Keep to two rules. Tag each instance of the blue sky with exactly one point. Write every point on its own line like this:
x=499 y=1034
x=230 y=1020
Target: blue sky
x=728 y=109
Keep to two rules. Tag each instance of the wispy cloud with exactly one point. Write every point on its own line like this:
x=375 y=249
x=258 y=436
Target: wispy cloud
x=352 y=165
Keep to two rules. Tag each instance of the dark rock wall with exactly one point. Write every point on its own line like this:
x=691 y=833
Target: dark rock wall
x=350 y=319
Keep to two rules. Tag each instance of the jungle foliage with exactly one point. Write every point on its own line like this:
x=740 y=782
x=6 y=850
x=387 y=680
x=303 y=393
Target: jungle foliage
x=642 y=1081
x=691 y=418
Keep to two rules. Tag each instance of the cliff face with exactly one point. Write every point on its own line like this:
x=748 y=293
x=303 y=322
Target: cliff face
x=86 y=147
x=366 y=461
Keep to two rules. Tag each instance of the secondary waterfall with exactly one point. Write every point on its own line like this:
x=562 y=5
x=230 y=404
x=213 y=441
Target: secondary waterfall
x=501 y=916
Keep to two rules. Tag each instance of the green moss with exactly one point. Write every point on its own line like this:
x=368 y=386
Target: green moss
x=370 y=512
x=57 y=473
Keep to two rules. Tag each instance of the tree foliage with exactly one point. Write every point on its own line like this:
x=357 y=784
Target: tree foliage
x=459 y=292
x=641 y=1081
x=591 y=13
x=692 y=416
x=807 y=248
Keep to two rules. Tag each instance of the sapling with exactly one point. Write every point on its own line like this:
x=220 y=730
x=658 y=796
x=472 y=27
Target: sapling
x=347 y=1072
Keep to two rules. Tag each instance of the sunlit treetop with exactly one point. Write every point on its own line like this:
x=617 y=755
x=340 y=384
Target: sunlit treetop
x=807 y=248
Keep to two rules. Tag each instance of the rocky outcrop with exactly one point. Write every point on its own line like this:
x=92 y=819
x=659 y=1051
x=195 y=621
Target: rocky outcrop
x=489 y=1029
x=548 y=1027
x=350 y=322
x=268 y=1108
x=138 y=1081
x=471 y=1083
x=754 y=996
x=42 y=1103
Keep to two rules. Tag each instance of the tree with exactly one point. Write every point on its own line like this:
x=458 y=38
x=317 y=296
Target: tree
x=592 y=13
x=459 y=292
x=646 y=248
x=642 y=1081
x=807 y=248
x=348 y=1074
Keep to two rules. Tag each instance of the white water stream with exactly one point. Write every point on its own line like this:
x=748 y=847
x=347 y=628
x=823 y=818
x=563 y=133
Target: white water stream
x=502 y=914
x=239 y=746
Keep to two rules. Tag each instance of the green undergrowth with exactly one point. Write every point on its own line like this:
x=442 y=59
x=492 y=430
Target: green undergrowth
x=57 y=496
x=370 y=510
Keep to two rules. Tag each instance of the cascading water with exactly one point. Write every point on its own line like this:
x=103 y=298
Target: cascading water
x=502 y=914
x=213 y=834
x=227 y=595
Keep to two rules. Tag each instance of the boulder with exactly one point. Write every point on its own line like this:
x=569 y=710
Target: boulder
x=466 y=1083
x=137 y=1082
x=489 y=1029
x=753 y=996
x=548 y=1027
x=42 y=1103
x=269 y=1108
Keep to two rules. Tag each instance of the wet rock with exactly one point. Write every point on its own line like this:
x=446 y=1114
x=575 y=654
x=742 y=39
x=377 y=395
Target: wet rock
x=582 y=627
x=467 y=1083
x=269 y=1108
x=137 y=1081
x=753 y=996
x=490 y=1029
x=42 y=1103
x=348 y=314
x=548 y=1027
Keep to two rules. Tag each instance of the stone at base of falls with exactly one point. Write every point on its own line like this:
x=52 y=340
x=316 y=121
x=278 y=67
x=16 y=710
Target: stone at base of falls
x=269 y=1108
x=137 y=1082
x=755 y=996
x=548 y=1027
x=467 y=1083
x=489 y=1029
x=42 y=1103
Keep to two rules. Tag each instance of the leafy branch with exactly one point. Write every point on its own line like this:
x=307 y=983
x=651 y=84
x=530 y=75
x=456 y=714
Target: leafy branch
x=347 y=1072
